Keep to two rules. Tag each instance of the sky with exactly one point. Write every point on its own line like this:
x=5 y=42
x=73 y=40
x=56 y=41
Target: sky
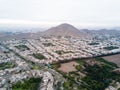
x=83 y=13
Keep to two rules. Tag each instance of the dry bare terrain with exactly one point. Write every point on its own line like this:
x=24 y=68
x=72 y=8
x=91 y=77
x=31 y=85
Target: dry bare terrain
x=68 y=67
x=113 y=58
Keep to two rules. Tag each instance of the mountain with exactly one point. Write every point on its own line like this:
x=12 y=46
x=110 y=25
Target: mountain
x=6 y=36
x=102 y=32
x=64 y=30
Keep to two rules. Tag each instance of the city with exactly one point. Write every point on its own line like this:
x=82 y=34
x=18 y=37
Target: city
x=59 y=44
x=38 y=58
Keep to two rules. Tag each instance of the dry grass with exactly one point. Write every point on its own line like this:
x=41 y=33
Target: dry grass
x=68 y=67
x=113 y=58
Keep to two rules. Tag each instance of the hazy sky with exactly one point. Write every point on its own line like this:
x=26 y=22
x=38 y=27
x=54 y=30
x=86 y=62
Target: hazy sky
x=76 y=12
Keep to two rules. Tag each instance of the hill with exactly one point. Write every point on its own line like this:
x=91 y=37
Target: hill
x=64 y=30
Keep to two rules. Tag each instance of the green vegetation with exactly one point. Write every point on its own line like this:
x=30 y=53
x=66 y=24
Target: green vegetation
x=78 y=67
x=22 y=47
x=60 y=52
x=118 y=88
x=58 y=86
x=111 y=64
x=67 y=86
x=38 y=56
x=110 y=47
x=93 y=43
x=99 y=77
x=55 y=65
x=96 y=77
x=30 y=84
x=81 y=62
x=73 y=81
x=47 y=44
x=36 y=67
x=6 y=65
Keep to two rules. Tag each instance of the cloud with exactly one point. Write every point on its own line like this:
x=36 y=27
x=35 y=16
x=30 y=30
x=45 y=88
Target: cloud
x=89 y=12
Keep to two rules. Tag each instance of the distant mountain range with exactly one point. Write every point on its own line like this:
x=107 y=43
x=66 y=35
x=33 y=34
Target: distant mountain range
x=101 y=32
x=60 y=30
x=69 y=30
